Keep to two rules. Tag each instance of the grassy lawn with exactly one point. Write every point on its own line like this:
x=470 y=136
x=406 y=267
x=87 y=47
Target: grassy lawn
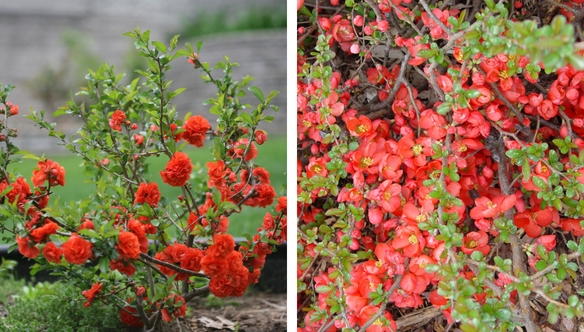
x=271 y=156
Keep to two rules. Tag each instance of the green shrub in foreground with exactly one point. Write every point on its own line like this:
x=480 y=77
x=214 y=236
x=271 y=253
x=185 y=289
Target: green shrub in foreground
x=51 y=307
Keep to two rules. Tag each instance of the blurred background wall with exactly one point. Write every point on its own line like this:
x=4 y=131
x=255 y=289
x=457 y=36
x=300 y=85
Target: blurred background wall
x=46 y=48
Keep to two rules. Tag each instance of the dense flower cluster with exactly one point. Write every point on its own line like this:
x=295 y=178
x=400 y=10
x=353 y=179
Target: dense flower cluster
x=397 y=183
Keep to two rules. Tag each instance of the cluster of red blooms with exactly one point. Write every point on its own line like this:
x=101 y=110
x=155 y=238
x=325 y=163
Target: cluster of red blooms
x=394 y=158
x=38 y=228
x=193 y=131
x=230 y=271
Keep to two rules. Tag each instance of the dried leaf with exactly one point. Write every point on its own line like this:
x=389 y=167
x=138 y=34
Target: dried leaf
x=220 y=323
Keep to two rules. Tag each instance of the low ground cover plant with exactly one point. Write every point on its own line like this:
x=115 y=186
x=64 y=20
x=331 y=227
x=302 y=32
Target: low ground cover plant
x=440 y=165
x=53 y=307
x=126 y=244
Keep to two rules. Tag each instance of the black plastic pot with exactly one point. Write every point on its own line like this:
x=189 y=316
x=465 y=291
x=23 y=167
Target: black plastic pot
x=272 y=279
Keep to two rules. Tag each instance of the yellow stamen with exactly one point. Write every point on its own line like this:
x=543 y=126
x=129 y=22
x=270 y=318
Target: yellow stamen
x=366 y=161
x=361 y=129
x=417 y=149
x=413 y=239
x=490 y=205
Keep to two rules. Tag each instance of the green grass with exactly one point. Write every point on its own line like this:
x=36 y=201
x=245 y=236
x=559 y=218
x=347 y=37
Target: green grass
x=208 y=23
x=271 y=156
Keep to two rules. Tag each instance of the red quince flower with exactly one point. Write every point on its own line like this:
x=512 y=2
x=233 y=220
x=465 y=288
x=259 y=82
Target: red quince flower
x=413 y=283
x=217 y=173
x=387 y=195
x=77 y=250
x=118 y=118
x=486 y=208
x=371 y=310
x=547 y=109
x=40 y=234
x=359 y=127
x=532 y=221
x=128 y=246
x=418 y=264
x=123 y=266
x=178 y=170
x=412 y=150
x=444 y=82
x=409 y=239
x=196 y=128
x=571 y=225
x=86 y=224
x=548 y=241
x=13 y=109
x=48 y=170
x=343 y=33
x=495 y=111
x=474 y=241
x=90 y=293
x=436 y=299
x=177 y=309
x=484 y=97
x=128 y=317
x=27 y=248
x=147 y=193
x=52 y=253
x=390 y=167
x=261 y=136
x=367 y=157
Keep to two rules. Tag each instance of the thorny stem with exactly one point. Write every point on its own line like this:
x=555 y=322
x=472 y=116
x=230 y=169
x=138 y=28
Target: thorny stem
x=140 y=310
x=433 y=17
x=389 y=100
x=171 y=266
x=197 y=291
x=380 y=16
x=517 y=253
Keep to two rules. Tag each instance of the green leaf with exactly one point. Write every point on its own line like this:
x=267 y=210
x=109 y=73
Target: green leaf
x=159 y=46
x=89 y=232
x=444 y=108
x=427 y=54
x=525 y=170
x=257 y=92
x=503 y=314
x=173 y=42
x=573 y=301
x=472 y=35
x=553 y=60
x=476 y=256
x=514 y=153
x=247 y=118
x=581 y=246
x=272 y=94
x=539 y=182
x=577 y=61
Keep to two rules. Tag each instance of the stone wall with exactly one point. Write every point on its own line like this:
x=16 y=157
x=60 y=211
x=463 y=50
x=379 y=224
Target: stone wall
x=30 y=40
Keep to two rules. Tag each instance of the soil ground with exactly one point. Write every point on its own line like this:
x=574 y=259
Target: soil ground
x=255 y=312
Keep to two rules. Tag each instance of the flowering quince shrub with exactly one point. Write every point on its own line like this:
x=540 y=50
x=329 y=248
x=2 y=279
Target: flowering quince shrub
x=440 y=165
x=128 y=245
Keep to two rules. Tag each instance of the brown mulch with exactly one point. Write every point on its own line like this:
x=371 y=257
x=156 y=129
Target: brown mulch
x=255 y=312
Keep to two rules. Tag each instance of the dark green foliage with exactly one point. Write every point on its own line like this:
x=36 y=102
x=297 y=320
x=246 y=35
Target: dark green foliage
x=51 y=307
